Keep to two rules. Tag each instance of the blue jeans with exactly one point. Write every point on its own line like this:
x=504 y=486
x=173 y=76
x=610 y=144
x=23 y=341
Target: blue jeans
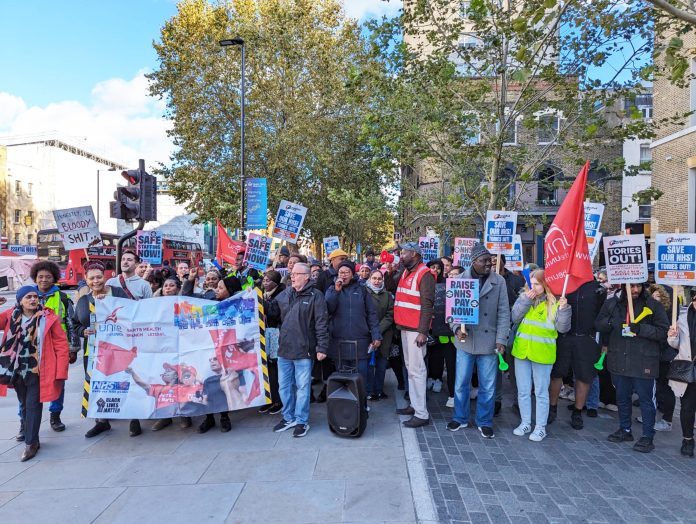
x=486 y=367
x=295 y=382
x=527 y=371
x=645 y=387
x=592 y=401
x=375 y=375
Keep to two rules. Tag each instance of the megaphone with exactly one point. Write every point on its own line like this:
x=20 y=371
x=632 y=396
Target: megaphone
x=385 y=257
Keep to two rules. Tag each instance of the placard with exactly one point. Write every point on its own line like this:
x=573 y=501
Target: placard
x=430 y=248
x=675 y=263
x=501 y=227
x=593 y=219
x=626 y=259
x=77 y=227
x=515 y=261
x=462 y=251
x=256 y=203
x=331 y=244
x=149 y=247
x=462 y=300
x=258 y=251
x=288 y=222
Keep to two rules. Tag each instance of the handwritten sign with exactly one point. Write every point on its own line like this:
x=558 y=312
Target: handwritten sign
x=500 y=232
x=462 y=251
x=430 y=248
x=258 y=251
x=626 y=259
x=675 y=264
x=515 y=261
x=288 y=222
x=462 y=300
x=149 y=247
x=77 y=227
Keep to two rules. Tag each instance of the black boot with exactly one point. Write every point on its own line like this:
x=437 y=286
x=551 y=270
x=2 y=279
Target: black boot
x=20 y=435
x=56 y=424
x=687 y=447
x=322 y=395
x=553 y=411
x=99 y=427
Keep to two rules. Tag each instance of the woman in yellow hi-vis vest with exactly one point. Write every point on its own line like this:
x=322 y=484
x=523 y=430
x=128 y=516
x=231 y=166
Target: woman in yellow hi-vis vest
x=540 y=317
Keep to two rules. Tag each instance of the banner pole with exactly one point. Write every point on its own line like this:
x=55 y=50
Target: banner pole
x=629 y=298
x=565 y=285
x=86 y=255
x=675 y=304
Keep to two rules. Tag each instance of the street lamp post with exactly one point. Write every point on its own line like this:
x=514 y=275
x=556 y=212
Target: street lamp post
x=240 y=42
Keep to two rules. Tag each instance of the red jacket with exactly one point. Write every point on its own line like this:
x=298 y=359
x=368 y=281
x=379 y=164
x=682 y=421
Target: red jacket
x=53 y=368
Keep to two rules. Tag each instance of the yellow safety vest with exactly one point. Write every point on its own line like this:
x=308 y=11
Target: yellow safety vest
x=536 y=335
x=55 y=304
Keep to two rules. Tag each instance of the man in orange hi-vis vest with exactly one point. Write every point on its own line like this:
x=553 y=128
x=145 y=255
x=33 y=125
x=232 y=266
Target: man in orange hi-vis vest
x=413 y=312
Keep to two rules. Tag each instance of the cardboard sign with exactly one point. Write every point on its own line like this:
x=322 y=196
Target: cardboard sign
x=77 y=227
x=593 y=219
x=331 y=244
x=515 y=261
x=626 y=259
x=675 y=263
x=462 y=300
x=258 y=251
x=430 y=248
x=501 y=227
x=288 y=222
x=149 y=247
x=462 y=251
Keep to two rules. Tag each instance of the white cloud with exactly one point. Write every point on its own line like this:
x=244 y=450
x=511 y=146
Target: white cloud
x=362 y=9
x=120 y=122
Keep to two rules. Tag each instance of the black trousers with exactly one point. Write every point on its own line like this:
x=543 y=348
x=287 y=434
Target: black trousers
x=27 y=390
x=273 y=380
x=665 y=396
x=688 y=411
x=439 y=356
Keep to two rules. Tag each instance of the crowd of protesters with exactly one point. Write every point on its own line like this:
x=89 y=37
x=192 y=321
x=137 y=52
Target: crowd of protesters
x=374 y=316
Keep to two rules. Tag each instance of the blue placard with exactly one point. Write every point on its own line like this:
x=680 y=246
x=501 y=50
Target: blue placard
x=256 y=203
x=149 y=247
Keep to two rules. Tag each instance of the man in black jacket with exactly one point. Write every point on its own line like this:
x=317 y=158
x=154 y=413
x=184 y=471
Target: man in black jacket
x=633 y=358
x=577 y=350
x=304 y=332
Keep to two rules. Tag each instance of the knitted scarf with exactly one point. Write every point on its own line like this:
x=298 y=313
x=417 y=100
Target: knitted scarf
x=20 y=351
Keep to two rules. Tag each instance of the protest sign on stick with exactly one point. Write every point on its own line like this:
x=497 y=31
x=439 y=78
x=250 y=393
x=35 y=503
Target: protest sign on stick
x=462 y=300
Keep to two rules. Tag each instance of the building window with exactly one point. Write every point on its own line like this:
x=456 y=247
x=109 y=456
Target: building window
x=16 y=238
x=18 y=187
x=547 y=132
x=510 y=134
x=30 y=238
x=17 y=216
x=644 y=208
x=29 y=188
x=29 y=219
x=546 y=187
x=645 y=153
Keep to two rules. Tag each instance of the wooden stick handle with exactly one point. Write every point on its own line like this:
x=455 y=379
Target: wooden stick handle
x=631 y=314
x=675 y=304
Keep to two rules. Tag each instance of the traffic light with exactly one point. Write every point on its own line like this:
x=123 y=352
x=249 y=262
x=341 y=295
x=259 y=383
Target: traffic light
x=137 y=200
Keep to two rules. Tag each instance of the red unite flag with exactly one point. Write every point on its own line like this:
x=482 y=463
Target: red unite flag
x=226 y=249
x=565 y=246
x=114 y=359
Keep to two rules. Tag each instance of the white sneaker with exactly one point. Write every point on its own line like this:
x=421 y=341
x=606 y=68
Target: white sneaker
x=567 y=393
x=437 y=386
x=429 y=384
x=473 y=393
x=611 y=407
x=639 y=419
x=663 y=425
x=601 y=405
x=522 y=430
x=538 y=434
x=450 y=402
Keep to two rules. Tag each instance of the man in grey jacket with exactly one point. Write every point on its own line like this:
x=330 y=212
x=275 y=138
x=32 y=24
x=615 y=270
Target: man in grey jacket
x=304 y=331
x=479 y=344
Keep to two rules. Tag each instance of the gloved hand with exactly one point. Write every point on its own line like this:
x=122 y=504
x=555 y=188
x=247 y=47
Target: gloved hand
x=635 y=328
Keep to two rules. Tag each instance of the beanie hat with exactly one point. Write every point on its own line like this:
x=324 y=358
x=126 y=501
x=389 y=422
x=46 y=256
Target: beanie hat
x=273 y=276
x=284 y=251
x=232 y=285
x=478 y=250
x=24 y=291
x=348 y=264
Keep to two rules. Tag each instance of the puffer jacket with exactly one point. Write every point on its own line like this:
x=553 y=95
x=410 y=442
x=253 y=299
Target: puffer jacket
x=384 y=305
x=638 y=356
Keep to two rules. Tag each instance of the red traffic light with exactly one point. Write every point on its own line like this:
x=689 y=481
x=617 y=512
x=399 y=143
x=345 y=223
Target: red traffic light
x=132 y=175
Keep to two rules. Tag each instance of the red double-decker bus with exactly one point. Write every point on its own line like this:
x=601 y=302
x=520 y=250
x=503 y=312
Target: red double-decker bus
x=72 y=263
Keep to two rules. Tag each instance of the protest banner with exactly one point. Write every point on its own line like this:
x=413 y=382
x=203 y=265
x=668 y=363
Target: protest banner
x=258 y=251
x=149 y=247
x=256 y=203
x=77 y=227
x=288 y=222
x=593 y=220
x=500 y=232
x=176 y=356
x=331 y=244
x=462 y=251
x=430 y=248
x=515 y=261
x=626 y=259
x=462 y=300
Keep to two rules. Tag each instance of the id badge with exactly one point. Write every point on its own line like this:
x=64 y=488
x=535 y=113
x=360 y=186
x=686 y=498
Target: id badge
x=626 y=331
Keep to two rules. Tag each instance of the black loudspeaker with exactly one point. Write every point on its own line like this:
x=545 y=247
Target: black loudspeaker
x=346 y=404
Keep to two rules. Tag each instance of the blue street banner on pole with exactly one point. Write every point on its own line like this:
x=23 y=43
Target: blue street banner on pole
x=500 y=232
x=462 y=300
x=430 y=248
x=288 y=222
x=258 y=251
x=149 y=247
x=256 y=203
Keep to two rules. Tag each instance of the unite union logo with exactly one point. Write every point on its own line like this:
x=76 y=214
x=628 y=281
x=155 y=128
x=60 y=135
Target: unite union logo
x=113 y=316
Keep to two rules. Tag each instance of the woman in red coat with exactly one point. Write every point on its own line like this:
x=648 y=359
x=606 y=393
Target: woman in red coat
x=35 y=355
